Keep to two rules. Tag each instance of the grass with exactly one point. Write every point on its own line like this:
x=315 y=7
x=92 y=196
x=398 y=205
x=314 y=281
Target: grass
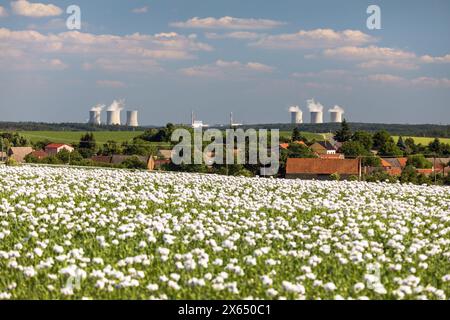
x=72 y=137
x=424 y=140
x=308 y=135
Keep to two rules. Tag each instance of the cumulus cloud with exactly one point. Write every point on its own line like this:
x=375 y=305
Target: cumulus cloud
x=238 y=35
x=228 y=23
x=140 y=10
x=421 y=82
x=368 y=53
x=35 y=10
x=318 y=38
x=430 y=59
x=110 y=84
x=3 y=12
x=135 y=50
x=223 y=68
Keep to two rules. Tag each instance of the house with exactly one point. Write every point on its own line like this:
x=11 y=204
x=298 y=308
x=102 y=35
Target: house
x=39 y=154
x=321 y=169
x=286 y=145
x=440 y=165
x=323 y=147
x=393 y=168
x=19 y=153
x=396 y=162
x=331 y=156
x=118 y=159
x=54 y=148
x=164 y=154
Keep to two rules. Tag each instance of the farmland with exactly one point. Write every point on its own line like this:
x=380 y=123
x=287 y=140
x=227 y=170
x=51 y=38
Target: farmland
x=112 y=234
x=73 y=137
x=424 y=140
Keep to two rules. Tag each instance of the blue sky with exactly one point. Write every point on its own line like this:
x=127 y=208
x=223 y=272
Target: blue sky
x=254 y=58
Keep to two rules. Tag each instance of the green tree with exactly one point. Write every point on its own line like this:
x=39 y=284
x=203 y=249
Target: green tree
x=87 y=145
x=390 y=149
x=380 y=138
x=353 y=149
x=344 y=133
x=111 y=147
x=435 y=146
x=364 y=138
x=419 y=161
x=133 y=163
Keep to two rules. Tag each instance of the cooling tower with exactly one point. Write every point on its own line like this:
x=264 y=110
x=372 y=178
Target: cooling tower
x=94 y=117
x=132 y=119
x=316 y=117
x=113 y=117
x=296 y=117
x=336 y=116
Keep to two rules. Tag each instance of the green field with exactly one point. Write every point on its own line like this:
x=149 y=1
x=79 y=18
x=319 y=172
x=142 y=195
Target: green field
x=74 y=136
x=424 y=140
x=308 y=135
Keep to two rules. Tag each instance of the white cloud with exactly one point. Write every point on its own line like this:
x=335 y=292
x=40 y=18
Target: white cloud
x=318 y=38
x=223 y=68
x=390 y=64
x=141 y=49
x=430 y=59
x=35 y=10
x=239 y=35
x=228 y=23
x=368 y=53
x=3 y=12
x=140 y=10
x=123 y=65
x=110 y=84
x=420 y=82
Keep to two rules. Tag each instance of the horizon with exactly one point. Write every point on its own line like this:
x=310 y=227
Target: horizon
x=167 y=58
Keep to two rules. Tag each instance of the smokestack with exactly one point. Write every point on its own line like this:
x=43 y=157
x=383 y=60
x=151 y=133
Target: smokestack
x=95 y=114
x=316 y=110
x=296 y=115
x=336 y=114
x=94 y=117
x=132 y=119
x=113 y=113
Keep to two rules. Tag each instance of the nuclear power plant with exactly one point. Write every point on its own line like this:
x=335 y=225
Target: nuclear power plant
x=336 y=114
x=132 y=119
x=113 y=115
x=95 y=114
x=316 y=113
x=296 y=115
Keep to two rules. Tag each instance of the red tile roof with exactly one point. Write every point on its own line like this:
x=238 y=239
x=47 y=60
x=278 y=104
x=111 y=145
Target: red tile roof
x=331 y=156
x=56 y=145
x=40 y=154
x=322 y=166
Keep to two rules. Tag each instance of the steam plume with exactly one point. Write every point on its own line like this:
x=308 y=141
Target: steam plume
x=117 y=105
x=337 y=109
x=314 y=106
x=98 y=107
x=294 y=109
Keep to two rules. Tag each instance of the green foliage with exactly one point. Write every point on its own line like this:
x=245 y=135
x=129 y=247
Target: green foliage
x=298 y=136
x=364 y=138
x=419 y=161
x=133 y=163
x=335 y=177
x=344 y=133
x=139 y=147
x=87 y=145
x=353 y=149
x=390 y=149
x=380 y=138
x=10 y=162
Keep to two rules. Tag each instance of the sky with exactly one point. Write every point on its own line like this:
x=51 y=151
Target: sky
x=254 y=58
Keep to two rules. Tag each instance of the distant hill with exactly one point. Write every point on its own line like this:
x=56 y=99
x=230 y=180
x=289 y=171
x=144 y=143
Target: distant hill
x=42 y=126
x=416 y=130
